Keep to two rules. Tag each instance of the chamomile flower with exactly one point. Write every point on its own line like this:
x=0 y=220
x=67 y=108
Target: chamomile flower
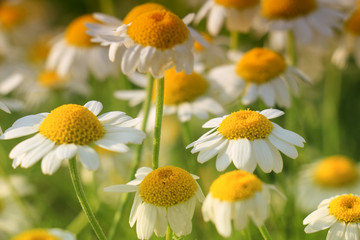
x=155 y=40
x=67 y=132
x=328 y=177
x=45 y=234
x=237 y=196
x=306 y=19
x=239 y=14
x=247 y=138
x=184 y=95
x=350 y=44
x=75 y=51
x=259 y=72
x=164 y=196
x=339 y=214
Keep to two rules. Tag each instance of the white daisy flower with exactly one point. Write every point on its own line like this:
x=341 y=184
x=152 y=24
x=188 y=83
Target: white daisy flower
x=48 y=234
x=339 y=214
x=259 y=72
x=237 y=196
x=306 y=19
x=155 y=40
x=164 y=196
x=350 y=44
x=247 y=138
x=184 y=94
x=328 y=177
x=239 y=14
x=75 y=51
x=67 y=132
x=9 y=84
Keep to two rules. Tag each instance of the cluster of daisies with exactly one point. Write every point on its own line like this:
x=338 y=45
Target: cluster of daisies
x=152 y=46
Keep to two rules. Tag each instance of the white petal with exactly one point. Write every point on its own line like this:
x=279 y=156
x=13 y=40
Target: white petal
x=336 y=232
x=215 y=122
x=10 y=83
x=146 y=221
x=4 y=107
x=184 y=112
x=177 y=219
x=288 y=136
x=267 y=93
x=242 y=152
x=66 y=151
x=223 y=160
x=142 y=172
x=50 y=163
x=209 y=153
x=94 y=106
x=27 y=145
x=161 y=222
x=352 y=232
x=278 y=162
x=216 y=19
x=88 y=157
x=222 y=215
x=240 y=218
x=320 y=224
x=37 y=153
x=272 y=113
x=134 y=209
x=121 y=188
x=263 y=155
x=284 y=147
x=250 y=95
x=319 y=213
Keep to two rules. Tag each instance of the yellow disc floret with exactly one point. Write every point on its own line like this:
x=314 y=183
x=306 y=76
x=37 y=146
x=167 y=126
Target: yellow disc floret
x=35 y=234
x=198 y=47
x=72 y=123
x=260 y=65
x=11 y=15
x=75 y=33
x=167 y=186
x=180 y=87
x=50 y=79
x=159 y=29
x=235 y=185
x=140 y=9
x=346 y=208
x=287 y=9
x=239 y=4
x=245 y=124
x=336 y=171
x=353 y=24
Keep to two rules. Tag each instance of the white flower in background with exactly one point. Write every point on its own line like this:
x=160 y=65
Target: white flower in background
x=328 y=177
x=307 y=19
x=184 y=94
x=155 y=40
x=164 y=196
x=247 y=138
x=45 y=234
x=259 y=72
x=68 y=131
x=339 y=214
x=237 y=196
x=350 y=44
x=239 y=14
x=74 y=51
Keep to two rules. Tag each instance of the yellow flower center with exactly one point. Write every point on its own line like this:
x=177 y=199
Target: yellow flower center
x=180 y=87
x=239 y=4
x=287 y=9
x=143 y=8
x=72 y=123
x=50 y=79
x=167 y=186
x=159 y=29
x=235 y=185
x=75 y=33
x=198 y=47
x=346 y=208
x=353 y=24
x=336 y=171
x=245 y=124
x=35 y=234
x=11 y=15
x=260 y=65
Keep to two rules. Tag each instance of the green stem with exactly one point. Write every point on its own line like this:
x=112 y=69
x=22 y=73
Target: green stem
x=137 y=158
x=291 y=48
x=168 y=233
x=187 y=139
x=79 y=190
x=158 y=121
x=234 y=37
x=264 y=232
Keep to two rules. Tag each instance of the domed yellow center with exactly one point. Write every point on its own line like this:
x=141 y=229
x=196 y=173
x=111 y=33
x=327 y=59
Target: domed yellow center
x=198 y=47
x=245 y=124
x=35 y=234
x=72 y=123
x=346 y=208
x=167 y=186
x=287 y=9
x=159 y=29
x=235 y=185
x=140 y=9
x=11 y=15
x=50 y=79
x=239 y=4
x=260 y=65
x=180 y=87
x=75 y=33
x=353 y=24
x=336 y=171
